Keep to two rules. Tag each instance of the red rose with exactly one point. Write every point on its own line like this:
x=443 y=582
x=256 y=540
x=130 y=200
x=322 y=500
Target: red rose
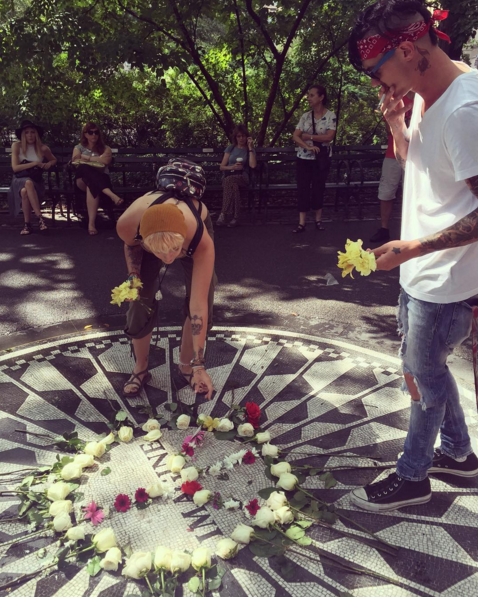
x=253 y=414
x=253 y=507
x=190 y=487
x=122 y=503
x=141 y=495
x=248 y=458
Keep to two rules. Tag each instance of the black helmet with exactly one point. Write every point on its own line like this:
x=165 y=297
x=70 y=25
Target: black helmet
x=183 y=176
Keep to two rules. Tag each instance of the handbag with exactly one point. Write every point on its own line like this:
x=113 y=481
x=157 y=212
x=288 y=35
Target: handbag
x=322 y=158
x=35 y=173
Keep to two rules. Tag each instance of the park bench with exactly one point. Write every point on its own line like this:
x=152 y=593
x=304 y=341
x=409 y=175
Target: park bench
x=354 y=169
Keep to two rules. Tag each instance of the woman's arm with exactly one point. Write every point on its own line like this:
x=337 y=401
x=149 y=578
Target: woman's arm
x=76 y=155
x=51 y=159
x=105 y=158
x=133 y=253
x=297 y=138
x=198 y=307
x=16 y=166
x=252 y=159
x=224 y=164
x=325 y=138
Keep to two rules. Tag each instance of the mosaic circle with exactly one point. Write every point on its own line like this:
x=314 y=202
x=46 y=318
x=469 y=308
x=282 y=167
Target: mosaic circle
x=319 y=397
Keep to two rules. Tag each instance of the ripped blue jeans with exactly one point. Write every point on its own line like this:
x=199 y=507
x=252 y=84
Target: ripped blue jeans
x=430 y=332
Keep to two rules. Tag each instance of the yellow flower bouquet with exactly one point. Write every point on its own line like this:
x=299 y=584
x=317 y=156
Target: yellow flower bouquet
x=356 y=257
x=128 y=291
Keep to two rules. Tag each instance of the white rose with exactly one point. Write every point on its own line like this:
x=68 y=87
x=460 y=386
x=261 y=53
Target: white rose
x=202 y=497
x=62 y=522
x=242 y=534
x=112 y=559
x=183 y=421
x=270 y=450
x=276 y=500
x=245 y=430
x=58 y=491
x=201 y=558
x=71 y=471
x=264 y=518
x=125 y=434
x=200 y=420
x=225 y=425
x=104 y=540
x=231 y=504
x=155 y=490
x=109 y=439
x=284 y=515
x=226 y=549
x=151 y=425
x=189 y=474
x=153 y=435
x=279 y=468
x=138 y=565
x=180 y=562
x=61 y=506
x=96 y=449
x=287 y=481
x=84 y=460
x=75 y=533
x=175 y=463
x=262 y=438
x=162 y=558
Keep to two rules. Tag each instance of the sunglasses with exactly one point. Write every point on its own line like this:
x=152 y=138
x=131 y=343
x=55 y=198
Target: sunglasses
x=371 y=73
x=93 y=132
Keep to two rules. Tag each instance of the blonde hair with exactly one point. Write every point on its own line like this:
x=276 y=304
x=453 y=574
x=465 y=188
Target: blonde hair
x=38 y=143
x=163 y=242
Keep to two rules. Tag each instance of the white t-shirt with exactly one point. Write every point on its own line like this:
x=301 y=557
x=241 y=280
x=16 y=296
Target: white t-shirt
x=328 y=122
x=442 y=154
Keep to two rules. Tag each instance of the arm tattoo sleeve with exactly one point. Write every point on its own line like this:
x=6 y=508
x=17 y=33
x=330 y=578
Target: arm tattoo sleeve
x=196 y=324
x=464 y=232
x=134 y=256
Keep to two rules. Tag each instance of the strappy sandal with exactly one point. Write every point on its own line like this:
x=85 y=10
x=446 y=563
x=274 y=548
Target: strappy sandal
x=27 y=229
x=139 y=384
x=41 y=224
x=300 y=228
x=318 y=225
x=188 y=377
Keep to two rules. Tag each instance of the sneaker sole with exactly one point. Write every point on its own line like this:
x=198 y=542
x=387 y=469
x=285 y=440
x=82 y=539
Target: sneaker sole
x=434 y=470
x=371 y=507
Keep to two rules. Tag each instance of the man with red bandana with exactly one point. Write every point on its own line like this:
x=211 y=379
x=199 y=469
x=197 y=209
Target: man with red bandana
x=395 y=43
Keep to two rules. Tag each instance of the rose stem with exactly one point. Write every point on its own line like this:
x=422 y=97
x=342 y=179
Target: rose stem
x=377 y=545
x=149 y=584
x=330 y=455
x=350 y=520
x=24 y=538
x=36 y=434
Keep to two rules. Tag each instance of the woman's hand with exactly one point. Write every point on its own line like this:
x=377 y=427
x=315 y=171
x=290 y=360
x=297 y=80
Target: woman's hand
x=201 y=382
x=237 y=167
x=250 y=143
x=46 y=166
x=313 y=148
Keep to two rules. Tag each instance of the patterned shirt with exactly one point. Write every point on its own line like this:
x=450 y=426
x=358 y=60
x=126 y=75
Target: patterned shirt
x=328 y=122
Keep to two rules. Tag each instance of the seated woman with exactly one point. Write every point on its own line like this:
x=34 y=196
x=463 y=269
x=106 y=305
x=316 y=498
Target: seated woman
x=238 y=158
x=170 y=223
x=92 y=158
x=30 y=158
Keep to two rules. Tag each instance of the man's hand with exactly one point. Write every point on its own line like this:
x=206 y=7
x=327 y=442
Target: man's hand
x=396 y=252
x=201 y=383
x=394 y=110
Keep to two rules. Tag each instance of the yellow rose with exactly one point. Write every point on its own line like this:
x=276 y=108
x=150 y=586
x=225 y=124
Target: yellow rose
x=210 y=424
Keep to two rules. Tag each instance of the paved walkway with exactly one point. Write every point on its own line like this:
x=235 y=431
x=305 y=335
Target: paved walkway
x=320 y=361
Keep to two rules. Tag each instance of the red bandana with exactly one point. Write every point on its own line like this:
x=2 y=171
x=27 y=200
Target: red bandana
x=371 y=47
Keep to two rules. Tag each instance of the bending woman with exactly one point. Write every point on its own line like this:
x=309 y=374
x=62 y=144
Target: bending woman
x=30 y=158
x=92 y=174
x=168 y=224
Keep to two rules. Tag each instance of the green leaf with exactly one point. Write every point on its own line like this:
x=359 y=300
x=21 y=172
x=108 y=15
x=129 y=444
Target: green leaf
x=121 y=415
x=76 y=497
x=105 y=471
x=294 y=532
x=313 y=472
x=93 y=567
x=73 y=486
x=268 y=474
x=265 y=534
x=265 y=494
x=35 y=517
x=304 y=524
x=27 y=481
x=172 y=407
x=213 y=583
x=329 y=480
x=268 y=460
x=329 y=517
x=265 y=550
x=225 y=435
x=193 y=584
x=24 y=507
x=287 y=568
x=300 y=496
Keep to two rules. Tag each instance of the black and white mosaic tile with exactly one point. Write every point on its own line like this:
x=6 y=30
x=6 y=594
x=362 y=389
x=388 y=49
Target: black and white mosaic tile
x=317 y=396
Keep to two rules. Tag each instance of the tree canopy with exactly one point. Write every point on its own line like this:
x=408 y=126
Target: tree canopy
x=182 y=73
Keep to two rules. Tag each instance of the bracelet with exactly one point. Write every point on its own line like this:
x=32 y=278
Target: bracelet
x=198 y=367
x=197 y=362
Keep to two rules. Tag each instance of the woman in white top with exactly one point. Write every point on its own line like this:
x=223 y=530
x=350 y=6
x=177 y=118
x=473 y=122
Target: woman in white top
x=313 y=135
x=92 y=175
x=30 y=158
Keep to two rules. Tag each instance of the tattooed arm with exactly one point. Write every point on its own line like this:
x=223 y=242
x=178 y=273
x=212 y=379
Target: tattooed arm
x=462 y=233
x=133 y=256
